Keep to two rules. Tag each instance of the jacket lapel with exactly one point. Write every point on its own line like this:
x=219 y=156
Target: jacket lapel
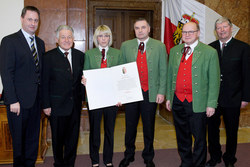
x=74 y=62
x=98 y=57
x=39 y=51
x=149 y=48
x=217 y=47
x=65 y=62
x=110 y=57
x=134 y=48
x=24 y=43
x=196 y=53
x=178 y=56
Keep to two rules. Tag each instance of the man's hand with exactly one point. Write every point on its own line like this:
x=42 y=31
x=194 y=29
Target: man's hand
x=168 y=105
x=84 y=80
x=15 y=108
x=243 y=104
x=210 y=111
x=47 y=111
x=159 y=98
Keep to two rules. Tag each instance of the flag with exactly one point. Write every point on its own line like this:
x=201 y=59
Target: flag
x=179 y=12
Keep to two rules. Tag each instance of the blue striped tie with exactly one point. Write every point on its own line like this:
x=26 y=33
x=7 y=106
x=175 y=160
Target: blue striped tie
x=33 y=51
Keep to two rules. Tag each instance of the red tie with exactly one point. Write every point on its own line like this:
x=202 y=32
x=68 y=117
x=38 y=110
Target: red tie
x=66 y=54
x=185 y=51
x=103 y=55
x=141 y=47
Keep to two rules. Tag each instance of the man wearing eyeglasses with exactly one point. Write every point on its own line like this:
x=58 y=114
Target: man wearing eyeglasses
x=193 y=81
x=234 y=56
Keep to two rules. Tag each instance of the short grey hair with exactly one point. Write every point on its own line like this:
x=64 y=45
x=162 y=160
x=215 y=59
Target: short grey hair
x=222 y=20
x=102 y=29
x=63 y=27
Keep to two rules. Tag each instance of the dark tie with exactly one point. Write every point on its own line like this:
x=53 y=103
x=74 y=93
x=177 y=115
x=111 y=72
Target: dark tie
x=185 y=51
x=141 y=47
x=103 y=55
x=33 y=51
x=222 y=48
x=66 y=56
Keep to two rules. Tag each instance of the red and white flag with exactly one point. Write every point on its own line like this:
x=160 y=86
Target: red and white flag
x=178 y=12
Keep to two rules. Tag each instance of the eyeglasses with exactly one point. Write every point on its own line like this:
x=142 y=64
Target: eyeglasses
x=105 y=36
x=188 y=32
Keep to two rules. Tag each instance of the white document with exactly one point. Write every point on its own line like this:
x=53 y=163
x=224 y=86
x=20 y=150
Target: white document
x=108 y=86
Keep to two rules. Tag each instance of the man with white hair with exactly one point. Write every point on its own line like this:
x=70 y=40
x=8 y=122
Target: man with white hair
x=234 y=56
x=62 y=95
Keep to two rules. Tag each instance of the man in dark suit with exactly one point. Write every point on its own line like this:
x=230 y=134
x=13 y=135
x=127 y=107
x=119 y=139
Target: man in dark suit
x=150 y=55
x=21 y=66
x=63 y=95
x=234 y=56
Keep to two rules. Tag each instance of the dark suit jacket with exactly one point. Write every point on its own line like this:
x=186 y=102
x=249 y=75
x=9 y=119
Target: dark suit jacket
x=62 y=90
x=235 y=73
x=18 y=70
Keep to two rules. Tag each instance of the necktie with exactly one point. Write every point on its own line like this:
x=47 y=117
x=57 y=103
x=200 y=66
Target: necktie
x=33 y=51
x=103 y=55
x=141 y=47
x=222 y=48
x=66 y=56
x=185 y=51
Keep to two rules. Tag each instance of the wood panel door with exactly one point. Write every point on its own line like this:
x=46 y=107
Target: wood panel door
x=121 y=23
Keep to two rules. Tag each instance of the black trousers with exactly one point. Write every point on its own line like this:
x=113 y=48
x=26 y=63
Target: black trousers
x=231 y=119
x=132 y=113
x=24 y=130
x=188 y=124
x=95 y=117
x=65 y=134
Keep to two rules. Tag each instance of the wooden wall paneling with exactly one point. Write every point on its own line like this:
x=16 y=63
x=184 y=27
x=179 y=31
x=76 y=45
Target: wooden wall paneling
x=58 y=12
x=53 y=13
x=77 y=20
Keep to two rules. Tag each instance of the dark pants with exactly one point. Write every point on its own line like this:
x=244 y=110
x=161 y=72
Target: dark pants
x=65 y=134
x=24 y=130
x=188 y=124
x=95 y=117
x=132 y=113
x=231 y=120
